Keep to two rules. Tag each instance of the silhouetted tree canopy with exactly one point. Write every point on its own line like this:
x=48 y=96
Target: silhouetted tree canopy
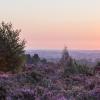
x=11 y=48
x=36 y=58
x=44 y=61
x=28 y=59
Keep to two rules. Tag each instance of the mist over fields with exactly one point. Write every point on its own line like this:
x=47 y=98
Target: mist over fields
x=90 y=55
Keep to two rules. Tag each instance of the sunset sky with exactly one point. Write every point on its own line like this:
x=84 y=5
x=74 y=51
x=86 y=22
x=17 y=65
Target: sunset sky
x=52 y=24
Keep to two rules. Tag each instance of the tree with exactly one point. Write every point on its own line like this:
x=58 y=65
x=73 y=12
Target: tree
x=66 y=58
x=28 y=59
x=65 y=54
x=44 y=61
x=11 y=48
x=36 y=58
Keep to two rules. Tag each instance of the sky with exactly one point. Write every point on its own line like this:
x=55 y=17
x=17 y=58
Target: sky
x=53 y=24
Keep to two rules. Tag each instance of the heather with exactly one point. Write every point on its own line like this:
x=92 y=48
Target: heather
x=48 y=83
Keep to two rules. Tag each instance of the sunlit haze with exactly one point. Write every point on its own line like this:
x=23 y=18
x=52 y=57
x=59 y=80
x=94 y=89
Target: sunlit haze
x=51 y=24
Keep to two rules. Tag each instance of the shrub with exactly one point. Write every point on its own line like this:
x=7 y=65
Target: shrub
x=71 y=66
x=98 y=64
x=76 y=68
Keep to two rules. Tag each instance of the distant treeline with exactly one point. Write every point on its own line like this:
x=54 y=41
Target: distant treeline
x=34 y=59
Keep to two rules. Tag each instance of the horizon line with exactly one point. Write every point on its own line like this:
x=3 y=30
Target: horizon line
x=61 y=49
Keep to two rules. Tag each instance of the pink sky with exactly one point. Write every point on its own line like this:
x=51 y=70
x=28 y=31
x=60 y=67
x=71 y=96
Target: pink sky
x=52 y=24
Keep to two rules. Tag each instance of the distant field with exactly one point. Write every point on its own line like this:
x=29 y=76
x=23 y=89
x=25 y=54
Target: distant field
x=90 y=55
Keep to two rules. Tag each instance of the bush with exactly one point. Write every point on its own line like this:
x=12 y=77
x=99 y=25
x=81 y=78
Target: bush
x=71 y=66
x=76 y=68
x=98 y=64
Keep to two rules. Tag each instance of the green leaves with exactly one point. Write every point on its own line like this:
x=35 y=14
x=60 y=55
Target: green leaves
x=11 y=47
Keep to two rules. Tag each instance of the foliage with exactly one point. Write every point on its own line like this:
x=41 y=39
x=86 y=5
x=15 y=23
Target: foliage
x=44 y=61
x=71 y=66
x=65 y=56
x=35 y=58
x=83 y=69
x=34 y=85
x=32 y=59
x=11 y=48
x=76 y=68
x=98 y=64
x=28 y=59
